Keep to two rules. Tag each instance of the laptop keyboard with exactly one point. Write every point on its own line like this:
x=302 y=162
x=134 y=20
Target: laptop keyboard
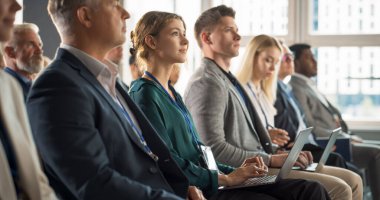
x=260 y=180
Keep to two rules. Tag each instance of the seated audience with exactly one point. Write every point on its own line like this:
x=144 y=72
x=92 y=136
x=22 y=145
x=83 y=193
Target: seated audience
x=319 y=112
x=161 y=46
x=95 y=143
x=290 y=115
x=258 y=75
x=21 y=176
x=225 y=117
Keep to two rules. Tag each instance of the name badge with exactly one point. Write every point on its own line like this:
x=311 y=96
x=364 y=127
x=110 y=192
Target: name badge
x=209 y=157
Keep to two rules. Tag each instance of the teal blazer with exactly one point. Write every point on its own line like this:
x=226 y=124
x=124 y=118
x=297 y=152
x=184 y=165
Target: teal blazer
x=171 y=125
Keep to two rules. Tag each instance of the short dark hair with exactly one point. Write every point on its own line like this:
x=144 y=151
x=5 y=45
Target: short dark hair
x=209 y=19
x=297 y=49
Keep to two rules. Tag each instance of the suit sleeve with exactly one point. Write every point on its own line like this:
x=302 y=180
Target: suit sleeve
x=64 y=121
x=207 y=102
x=283 y=118
x=306 y=105
x=203 y=178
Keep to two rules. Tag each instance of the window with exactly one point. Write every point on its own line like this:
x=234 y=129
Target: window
x=19 y=14
x=259 y=17
x=346 y=35
x=348 y=76
x=342 y=17
x=254 y=17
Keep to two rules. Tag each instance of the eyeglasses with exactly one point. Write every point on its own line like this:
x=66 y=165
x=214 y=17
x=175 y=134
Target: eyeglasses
x=287 y=57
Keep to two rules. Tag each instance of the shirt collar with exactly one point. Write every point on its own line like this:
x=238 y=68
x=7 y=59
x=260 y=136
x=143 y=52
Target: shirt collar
x=106 y=73
x=229 y=75
x=254 y=88
x=303 y=77
x=21 y=77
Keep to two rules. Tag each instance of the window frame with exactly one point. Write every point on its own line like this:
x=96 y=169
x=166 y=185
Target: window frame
x=299 y=30
x=303 y=19
x=304 y=16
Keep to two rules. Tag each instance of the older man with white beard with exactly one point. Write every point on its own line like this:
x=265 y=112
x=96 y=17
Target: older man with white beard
x=24 y=55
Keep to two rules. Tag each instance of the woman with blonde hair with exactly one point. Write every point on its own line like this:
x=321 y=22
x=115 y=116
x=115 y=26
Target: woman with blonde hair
x=258 y=75
x=160 y=41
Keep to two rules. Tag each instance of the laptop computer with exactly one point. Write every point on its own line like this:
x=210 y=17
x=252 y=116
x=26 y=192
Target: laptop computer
x=285 y=169
x=314 y=166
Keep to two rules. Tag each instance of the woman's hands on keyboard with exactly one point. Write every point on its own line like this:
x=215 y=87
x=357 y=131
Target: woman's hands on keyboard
x=251 y=168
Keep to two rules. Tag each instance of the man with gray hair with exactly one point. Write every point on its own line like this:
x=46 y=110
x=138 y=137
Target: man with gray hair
x=23 y=54
x=21 y=175
x=95 y=143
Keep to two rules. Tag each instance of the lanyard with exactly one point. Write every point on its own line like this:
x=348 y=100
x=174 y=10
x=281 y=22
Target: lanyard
x=139 y=134
x=239 y=90
x=182 y=110
x=261 y=108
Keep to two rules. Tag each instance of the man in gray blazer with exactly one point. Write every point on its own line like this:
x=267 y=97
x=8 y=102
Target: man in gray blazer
x=324 y=117
x=224 y=116
x=21 y=176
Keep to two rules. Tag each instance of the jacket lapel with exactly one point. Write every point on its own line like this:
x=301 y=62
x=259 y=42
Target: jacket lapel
x=297 y=81
x=224 y=80
x=153 y=140
x=282 y=92
x=86 y=75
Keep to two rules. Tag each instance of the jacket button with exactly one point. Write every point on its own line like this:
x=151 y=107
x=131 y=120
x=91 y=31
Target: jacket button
x=153 y=170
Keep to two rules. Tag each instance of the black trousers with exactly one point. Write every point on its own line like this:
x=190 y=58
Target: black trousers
x=286 y=189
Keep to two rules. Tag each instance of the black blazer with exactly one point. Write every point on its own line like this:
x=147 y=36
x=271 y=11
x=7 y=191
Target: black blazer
x=286 y=117
x=88 y=148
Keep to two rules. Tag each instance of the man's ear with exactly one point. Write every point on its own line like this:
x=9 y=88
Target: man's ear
x=10 y=52
x=150 y=41
x=205 y=37
x=84 y=15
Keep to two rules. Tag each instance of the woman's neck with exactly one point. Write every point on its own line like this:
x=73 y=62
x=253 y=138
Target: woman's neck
x=256 y=82
x=161 y=72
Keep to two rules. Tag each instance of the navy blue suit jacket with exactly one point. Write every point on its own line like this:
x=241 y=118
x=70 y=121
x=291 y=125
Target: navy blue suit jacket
x=88 y=149
x=286 y=117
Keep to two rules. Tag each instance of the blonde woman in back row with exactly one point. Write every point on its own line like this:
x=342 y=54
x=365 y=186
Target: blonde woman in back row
x=258 y=76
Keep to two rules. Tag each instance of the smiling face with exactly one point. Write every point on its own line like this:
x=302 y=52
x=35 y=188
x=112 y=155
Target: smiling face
x=171 y=42
x=224 y=39
x=265 y=63
x=8 y=9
